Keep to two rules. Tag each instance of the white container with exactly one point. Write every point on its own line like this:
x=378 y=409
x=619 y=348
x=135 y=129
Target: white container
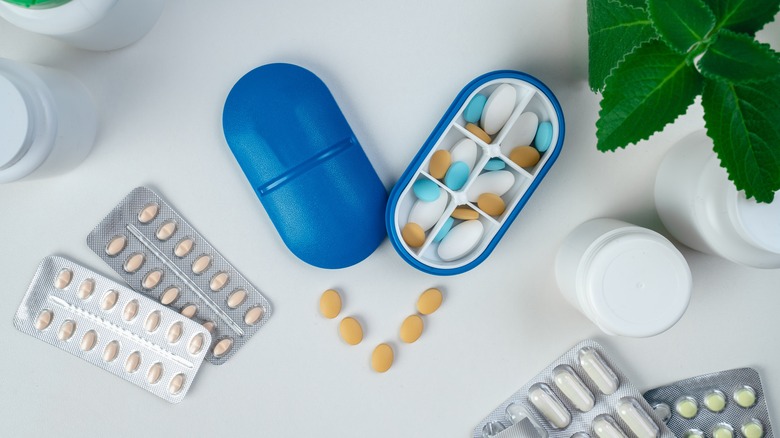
x=628 y=280
x=88 y=24
x=47 y=120
x=702 y=209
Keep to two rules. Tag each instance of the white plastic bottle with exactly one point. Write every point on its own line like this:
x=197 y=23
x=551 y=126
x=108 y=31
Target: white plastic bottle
x=88 y=24
x=47 y=119
x=702 y=209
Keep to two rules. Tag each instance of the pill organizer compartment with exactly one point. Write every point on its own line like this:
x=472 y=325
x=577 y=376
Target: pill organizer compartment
x=531 y=96
x=515 y=134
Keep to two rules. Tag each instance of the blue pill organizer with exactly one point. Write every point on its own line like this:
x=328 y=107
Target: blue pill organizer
x=447 y=249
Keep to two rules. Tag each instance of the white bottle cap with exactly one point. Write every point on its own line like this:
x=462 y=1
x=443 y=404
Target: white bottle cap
x=759 y=223
x=15 y=124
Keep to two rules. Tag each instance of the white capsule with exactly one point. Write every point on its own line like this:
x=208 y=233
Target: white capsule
x=545 y=401
x=570 y=384
x=497 y=182
x=637 y=419
x=605 y=426
x=598 y=371
x=426 y=214
x=465 y=150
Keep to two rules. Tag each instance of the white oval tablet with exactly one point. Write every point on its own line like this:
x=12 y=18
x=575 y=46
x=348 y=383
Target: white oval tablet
x=426 y=214
x=522 y=133
x=567 y=381
x=461 y=240
x=635 y=417
x=498 y=108
x=498 y=182
x=545 y=401
x=466 y=151
x=605 y=426
x=599 y=372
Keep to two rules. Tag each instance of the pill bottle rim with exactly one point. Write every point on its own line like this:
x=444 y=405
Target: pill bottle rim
x=70 y=17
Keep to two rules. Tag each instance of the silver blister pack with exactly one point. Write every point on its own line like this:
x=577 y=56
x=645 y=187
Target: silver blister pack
x=730 y=403
x=161 y=255
x=113 y=327
x=582 y=394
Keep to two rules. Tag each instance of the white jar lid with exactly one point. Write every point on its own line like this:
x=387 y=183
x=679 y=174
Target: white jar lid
x=15 y=123
x=760 y=223
x=636 y=283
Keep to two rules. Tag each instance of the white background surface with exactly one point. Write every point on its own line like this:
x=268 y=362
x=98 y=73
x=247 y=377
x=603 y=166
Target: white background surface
x=394 y=67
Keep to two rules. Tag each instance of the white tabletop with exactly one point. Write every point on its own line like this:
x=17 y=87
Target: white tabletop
x=394 y=67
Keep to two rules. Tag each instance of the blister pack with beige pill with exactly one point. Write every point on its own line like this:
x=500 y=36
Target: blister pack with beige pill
x=725 y=404
x=162 y=256
x=580 y=395
x=113 y=328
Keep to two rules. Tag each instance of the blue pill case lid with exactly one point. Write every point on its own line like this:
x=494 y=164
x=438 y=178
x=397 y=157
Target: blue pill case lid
x=309 y=171
x=532 y=96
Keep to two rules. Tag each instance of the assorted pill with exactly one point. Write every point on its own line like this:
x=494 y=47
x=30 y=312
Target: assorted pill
x=330 y=304
x=525 y=156
x=495 y=164
x=429 y=301
x=465 y=151
x=473 y=111
x=444 y=230
x=440 y=162
x=498 y=108
x=491 y=204
x=382 y=358
x=426 y=190
x=457 y=175
x=479 y=133
x=351 y=331
x=411 y=329
x=465 y=214
x=461 y=240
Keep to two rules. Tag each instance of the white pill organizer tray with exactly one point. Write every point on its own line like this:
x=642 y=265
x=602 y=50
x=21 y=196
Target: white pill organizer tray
x=452 y=245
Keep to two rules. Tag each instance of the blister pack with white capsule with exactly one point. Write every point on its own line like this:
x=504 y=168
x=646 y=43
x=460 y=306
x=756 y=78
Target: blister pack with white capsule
x=113 y=327
x=162 y=256
x=725 y=404
x=580 y=395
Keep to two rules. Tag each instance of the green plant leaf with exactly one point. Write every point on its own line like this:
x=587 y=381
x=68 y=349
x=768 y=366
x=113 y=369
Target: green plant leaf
x=744 y=124
x=746 y=16
x=649 y=89
x=738 y=58
x=681 y=23
x=613 y=31
x=641 y=4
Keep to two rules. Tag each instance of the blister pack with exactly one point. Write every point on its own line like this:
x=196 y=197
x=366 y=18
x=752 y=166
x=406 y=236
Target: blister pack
x=113 y=327
x=162 y=256
x=580 y=395
x=725 y=404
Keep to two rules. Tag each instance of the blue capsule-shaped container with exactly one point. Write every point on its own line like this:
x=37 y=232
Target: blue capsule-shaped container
x=532 y=96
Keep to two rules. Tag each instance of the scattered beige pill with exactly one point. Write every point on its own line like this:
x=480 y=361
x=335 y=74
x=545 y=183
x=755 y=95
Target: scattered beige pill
x=67 y=328
x=43 y=321
x=223 y=347
x=152 y=322
x=201 y=263
x=88 y=341
x=166 y=230
x=253 y=315
x=86 y=288
x=491 y=204
x=184 y=247
x=131 y=310
x=134 y=262
x=111 y=351
x=152 y=279
x=752 y=429
x=351 y=331
x=745 y=396
x=478 y=132
x=429 y=301
x=413 y=235
x=133 y=362
x=109 y=300
x=465 y=214
x=64 y=277
x=382 y=358
x=116 y=245
x=155 y=373
x=189 y=311
x=174 y=332
x=196 y=344
x=219 y=280
x=148 y=213
x=330 y=304
x=170 y=295
x=210 y=326
x=236 y=298
x=440 y=162
x=525 y=156
x=411 y=329
x=715 y=401
x=176 y=384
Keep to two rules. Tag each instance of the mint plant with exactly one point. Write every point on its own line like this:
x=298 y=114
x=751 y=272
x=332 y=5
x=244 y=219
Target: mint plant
x=651 y=58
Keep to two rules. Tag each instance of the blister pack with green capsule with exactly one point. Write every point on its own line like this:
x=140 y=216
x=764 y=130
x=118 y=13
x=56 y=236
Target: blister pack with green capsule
x=725 y=404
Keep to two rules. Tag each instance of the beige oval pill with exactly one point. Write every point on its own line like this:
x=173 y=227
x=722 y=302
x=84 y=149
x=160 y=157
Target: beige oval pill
x=152 y=322
x=200 y=264
x=116 y=245
x=190 y=310
x=478 y=132
x=465 y=214
x=131 y=310
x=166 y=230
x=66 y=330
x=184 y=247
x=525 y=156
x=170 y=295
x=236 y=298
x=223 y=347
x=133 y=362
x=382 y=358
x=440 y=163
x=43 y=321
x=86 y=288
x=330 y=304
x=429 y=301
x=134 y=262
x=155 y=373
x=253 y=315
x=148 y=213
x=411 y=329
x=196 y=344
x=174 y=332
x=210 y=326
x=491 y=204
x=88 y=341
x=152 y=279
x=111 y=351
x=109 y=300
x=413 y=235
x=219 y=280
x=351 y=331
x=176 y=384
x=64 y=277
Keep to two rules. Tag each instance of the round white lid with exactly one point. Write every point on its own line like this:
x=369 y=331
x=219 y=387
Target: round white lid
x=14 y=122
x=638 y=284
x=760 y=222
